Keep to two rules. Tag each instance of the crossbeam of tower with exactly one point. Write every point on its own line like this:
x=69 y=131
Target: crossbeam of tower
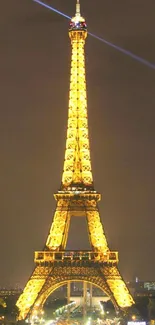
x=54 y=266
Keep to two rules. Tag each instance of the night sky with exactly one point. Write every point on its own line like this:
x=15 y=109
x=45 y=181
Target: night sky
x=34 y=81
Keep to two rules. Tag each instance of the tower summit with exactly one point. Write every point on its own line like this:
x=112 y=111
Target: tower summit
x=54 y=265
x=78 y=22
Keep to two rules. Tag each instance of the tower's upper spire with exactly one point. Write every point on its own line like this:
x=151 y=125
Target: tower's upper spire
x=77 y=171
x=78 y=14
x=78 y=22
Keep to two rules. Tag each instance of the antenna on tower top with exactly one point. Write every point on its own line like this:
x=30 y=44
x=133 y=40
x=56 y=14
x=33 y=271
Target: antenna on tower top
x=78 y=8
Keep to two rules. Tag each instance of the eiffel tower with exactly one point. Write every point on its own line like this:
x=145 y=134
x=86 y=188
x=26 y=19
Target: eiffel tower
x=55 y=266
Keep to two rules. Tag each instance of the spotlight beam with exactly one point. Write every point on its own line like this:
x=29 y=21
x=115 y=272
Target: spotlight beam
x=51 y=8
x=118 y=48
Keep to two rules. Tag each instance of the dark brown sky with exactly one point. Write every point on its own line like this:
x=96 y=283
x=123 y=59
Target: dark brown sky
x=34 y=82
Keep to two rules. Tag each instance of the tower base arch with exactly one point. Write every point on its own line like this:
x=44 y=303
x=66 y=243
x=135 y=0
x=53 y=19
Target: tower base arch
x=46 y=280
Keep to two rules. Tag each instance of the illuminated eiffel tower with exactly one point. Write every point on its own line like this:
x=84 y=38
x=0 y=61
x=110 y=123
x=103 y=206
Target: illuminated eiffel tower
x=55 y=266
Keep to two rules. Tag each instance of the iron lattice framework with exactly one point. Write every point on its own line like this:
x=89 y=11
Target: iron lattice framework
x=54 y=265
